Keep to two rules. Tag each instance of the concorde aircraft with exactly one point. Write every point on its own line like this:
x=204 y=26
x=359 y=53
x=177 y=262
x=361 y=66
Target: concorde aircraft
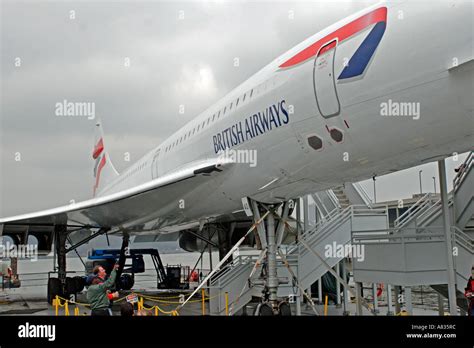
x=387 y=88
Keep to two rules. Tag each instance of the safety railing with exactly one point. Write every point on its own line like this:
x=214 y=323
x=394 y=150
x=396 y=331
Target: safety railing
x=324 y=228
x=232 y=270
x=415 y=234
x=463 y=239
x=331 y=217
x=427 y=213
x=423 y=203
x=325 y=211
x=142 y=307
x=362 y=193
x=334 y=199
x=358 y=210
x=464 y=168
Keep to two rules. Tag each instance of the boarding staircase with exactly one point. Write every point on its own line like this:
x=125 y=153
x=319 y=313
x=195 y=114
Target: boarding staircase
x=330 y=201
x=331 y=233
x=414 y=251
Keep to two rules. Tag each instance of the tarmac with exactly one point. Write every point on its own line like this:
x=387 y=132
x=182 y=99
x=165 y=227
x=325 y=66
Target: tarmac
x=32 y=301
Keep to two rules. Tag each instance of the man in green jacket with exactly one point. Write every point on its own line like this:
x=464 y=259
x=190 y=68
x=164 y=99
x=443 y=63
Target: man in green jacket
x=98 y=294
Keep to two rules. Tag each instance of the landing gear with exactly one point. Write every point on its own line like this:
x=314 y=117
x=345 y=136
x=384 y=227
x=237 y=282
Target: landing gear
x=63 y=286
x=284 y=309
x=57 y=286
x=223 y=237
x=266 y=310
x=124 y=281
x=272 y=234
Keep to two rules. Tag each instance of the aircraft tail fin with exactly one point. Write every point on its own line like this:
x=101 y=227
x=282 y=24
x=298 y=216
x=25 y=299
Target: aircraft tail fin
x=104 y=170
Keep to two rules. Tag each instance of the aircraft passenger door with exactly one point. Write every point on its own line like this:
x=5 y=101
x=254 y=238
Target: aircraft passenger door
x=324 y=80
x=154 y=165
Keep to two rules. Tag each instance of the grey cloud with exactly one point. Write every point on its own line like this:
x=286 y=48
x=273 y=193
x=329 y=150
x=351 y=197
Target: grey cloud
x=82 y=60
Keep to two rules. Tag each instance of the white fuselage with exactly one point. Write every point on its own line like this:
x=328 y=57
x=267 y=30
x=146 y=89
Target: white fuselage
x=424 y=57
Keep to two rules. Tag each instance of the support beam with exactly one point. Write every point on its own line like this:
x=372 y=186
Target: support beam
x=280 y=231
x=375 y=299
x=224 y=245
x=320 y=290
x=440 y=305
x=261 y=240
x=447 y=231
x=358 y=287
x=306 y=213
x=122 y=257
x=298 y=303
x=345 y=292
x=398 y=292
x=338 y=285
x=209 y=249
x=86 y=240
x=389 y=300
x=408 y=300
x=299 y=299
x=60 y=236
x=272 y=281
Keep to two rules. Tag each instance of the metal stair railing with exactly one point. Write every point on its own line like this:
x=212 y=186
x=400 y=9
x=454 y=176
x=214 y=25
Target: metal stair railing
x=323 y=227
x=465 y=168
x=329 y=228
x=329 y=218
x=362 y=193
x=424 y=202
x=334 y=199
x=325 y=211
x=428 y=215
x=319 y=203
x=463 y=239
x=233 y=269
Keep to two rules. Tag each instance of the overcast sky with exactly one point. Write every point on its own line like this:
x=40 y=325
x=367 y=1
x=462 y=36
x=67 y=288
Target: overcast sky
x=180 y=53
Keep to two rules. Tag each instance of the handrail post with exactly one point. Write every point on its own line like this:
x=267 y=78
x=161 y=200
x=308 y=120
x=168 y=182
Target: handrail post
x=203 y=303
x=56 y=305
x=326 y=305
x=226 y=303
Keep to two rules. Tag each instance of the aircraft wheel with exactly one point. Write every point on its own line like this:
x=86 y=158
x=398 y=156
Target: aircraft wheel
x=264 y=310
x=80 y=282
x=70 y=286
x=126 y=281
x=54 y=288
x=284 y=309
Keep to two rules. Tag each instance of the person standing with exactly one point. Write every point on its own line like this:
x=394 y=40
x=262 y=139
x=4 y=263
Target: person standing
x=99 y=295
x=469 y=293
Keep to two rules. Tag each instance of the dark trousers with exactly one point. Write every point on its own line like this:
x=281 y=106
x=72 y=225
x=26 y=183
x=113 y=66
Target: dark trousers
x=101 y=312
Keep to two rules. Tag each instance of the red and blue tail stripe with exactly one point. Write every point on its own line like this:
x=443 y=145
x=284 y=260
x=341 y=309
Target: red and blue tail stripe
x=363 y=54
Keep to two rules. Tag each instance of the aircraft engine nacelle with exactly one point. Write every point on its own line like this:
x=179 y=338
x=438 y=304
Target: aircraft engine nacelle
x=222 y=236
